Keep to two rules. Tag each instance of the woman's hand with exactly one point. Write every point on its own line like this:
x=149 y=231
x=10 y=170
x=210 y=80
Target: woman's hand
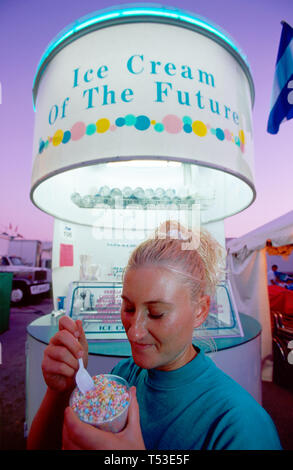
x=60 y=361
x=81 y=436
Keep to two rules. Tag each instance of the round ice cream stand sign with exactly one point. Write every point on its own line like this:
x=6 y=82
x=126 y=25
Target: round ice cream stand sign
x=138 y=85
x=141 y=115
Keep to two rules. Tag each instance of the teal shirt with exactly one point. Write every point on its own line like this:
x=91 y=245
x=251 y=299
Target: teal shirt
x=197 y=407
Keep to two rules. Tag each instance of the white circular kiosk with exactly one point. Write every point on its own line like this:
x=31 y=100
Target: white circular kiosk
x=142 y=97
x=142 y=114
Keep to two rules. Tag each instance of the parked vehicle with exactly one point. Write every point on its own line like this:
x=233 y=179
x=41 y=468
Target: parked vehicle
x=27 y=280
x=30 y=251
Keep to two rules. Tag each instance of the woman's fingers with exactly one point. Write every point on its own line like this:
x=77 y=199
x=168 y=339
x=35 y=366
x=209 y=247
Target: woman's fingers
x=79 y=435
x=75 y=328
x=66 y=323
x=66 y=339
x=60 y=361
x=61 y=354
x=133 y=430
x=53 y=367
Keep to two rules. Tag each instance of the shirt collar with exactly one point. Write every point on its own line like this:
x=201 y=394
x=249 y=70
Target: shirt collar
x=173 y=379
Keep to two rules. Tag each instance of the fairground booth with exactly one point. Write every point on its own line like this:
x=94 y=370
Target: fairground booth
x=142 y=115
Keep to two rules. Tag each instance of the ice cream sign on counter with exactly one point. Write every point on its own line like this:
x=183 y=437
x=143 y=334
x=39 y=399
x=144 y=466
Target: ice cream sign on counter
x=142 y=84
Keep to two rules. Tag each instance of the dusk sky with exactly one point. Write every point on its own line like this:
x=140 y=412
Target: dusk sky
x=26 y=28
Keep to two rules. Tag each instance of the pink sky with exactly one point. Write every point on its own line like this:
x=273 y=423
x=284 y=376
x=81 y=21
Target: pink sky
x=27 y=27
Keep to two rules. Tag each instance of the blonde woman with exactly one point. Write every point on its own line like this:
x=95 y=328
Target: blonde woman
x=180 y=399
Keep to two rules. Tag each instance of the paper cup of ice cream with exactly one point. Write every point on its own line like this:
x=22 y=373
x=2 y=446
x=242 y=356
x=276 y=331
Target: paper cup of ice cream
x=106 y=406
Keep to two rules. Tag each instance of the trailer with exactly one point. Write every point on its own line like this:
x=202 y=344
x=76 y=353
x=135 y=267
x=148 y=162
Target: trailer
x=29 y=251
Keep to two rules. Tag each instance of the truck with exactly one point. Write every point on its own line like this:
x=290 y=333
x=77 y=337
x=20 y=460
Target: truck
x=30 y=251
x=27 y=280
x=4 y=243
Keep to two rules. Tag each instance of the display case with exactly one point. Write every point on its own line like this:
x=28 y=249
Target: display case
x=98 y=305
x=223 y=320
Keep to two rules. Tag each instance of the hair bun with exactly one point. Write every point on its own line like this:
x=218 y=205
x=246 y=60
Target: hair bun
x=173 y=229
x=177 y=234
x=194 y=254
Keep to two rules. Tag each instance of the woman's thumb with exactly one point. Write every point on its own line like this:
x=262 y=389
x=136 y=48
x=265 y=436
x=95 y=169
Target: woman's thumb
x=133 y=413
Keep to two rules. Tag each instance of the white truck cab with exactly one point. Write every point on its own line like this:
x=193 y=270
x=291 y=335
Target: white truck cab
x=27 y=280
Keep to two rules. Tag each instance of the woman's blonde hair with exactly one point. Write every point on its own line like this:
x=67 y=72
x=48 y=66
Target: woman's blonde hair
x=195 y=256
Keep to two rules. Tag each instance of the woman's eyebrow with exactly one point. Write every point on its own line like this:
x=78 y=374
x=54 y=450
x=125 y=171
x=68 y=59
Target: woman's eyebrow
x=158 y=301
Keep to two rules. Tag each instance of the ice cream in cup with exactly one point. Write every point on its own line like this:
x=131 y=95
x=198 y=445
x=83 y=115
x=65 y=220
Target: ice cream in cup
x=106 y=406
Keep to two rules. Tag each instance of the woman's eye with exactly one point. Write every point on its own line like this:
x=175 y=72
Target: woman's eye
x=156 y=315
x=129 y=309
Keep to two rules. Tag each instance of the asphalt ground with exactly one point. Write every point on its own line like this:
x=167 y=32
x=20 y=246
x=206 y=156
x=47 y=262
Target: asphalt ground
x=12 y=372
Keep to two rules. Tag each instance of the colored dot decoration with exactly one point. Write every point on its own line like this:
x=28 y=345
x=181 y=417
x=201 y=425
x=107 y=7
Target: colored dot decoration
x=159 y=127
x=199 y=128
x=170 y=123
x=130 y=120
x=78 y=131
x=57 y=138
x=220 y=134
x=142 y=123
x=66 y=137
x=91 y=129
x=103 y=125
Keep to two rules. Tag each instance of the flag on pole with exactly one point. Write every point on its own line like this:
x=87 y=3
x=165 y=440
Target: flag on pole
x=282 y=94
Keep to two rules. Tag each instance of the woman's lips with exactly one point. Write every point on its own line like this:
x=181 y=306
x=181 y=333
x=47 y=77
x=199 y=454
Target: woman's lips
x=141 y=346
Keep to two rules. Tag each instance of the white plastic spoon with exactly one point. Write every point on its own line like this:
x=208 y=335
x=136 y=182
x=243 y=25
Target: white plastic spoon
x=83 y=379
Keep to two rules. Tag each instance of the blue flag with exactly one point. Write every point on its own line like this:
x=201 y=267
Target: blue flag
x=282 y=94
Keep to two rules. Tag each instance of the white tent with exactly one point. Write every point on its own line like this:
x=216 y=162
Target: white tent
x=247 y=266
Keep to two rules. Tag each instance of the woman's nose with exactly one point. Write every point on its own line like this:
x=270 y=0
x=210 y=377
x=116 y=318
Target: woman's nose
x=138 y=327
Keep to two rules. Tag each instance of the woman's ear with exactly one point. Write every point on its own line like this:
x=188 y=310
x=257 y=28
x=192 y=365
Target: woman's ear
x=203 y=308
